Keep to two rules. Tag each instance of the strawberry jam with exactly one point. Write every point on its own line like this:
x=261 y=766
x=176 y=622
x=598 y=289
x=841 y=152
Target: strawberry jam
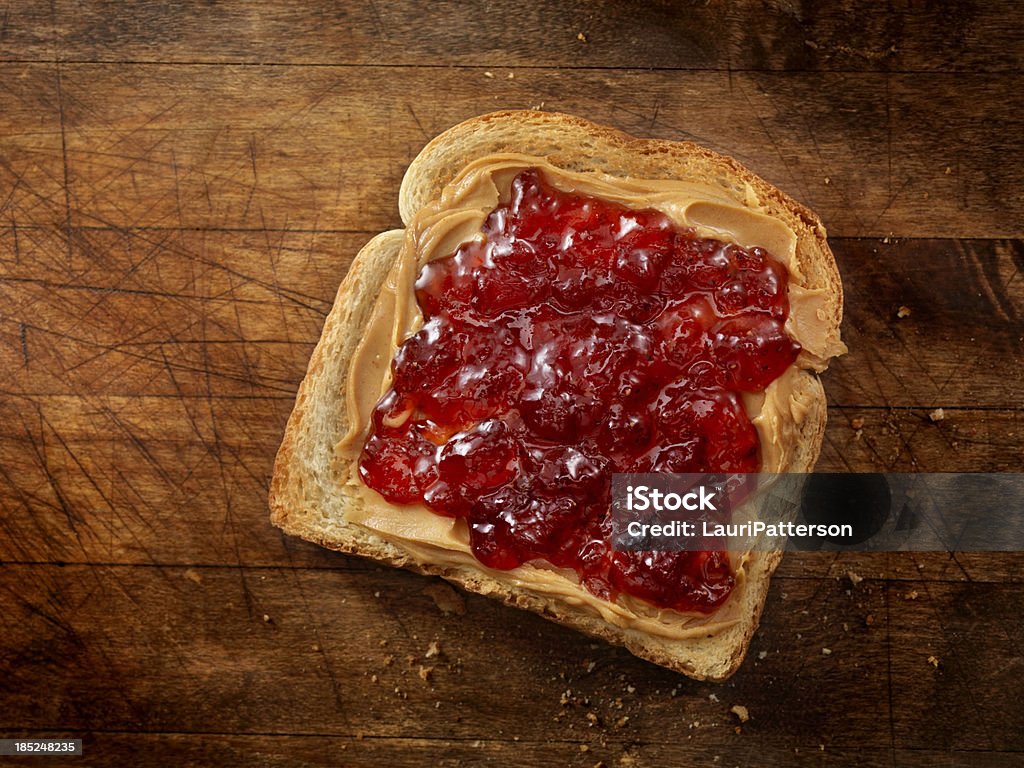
x=578 y=339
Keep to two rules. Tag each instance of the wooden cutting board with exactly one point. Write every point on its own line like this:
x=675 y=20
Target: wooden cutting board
x=181 y=192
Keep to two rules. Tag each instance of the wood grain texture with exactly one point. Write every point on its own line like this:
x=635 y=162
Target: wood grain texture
x=351 y=645
x=242 y=309
x=32 y=179
x=229 y=750
x=27 y=31
x=960 y=331
x=184 y=480
x=739 y=35
x=182 y=188
x=243 y=147
x=231 y=317
x=148 y=381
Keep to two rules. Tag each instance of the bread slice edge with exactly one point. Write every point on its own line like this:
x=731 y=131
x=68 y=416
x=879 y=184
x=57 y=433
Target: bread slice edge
x=308 y=497
x=575 y=144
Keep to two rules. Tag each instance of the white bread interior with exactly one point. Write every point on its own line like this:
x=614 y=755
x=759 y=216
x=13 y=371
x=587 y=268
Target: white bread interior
x=308 y=496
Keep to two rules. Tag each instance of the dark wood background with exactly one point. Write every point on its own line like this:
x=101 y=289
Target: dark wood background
x=183 y=186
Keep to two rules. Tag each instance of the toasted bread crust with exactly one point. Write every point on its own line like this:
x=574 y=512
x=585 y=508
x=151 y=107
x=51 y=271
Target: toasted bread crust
x=308 y=497
x=576 y=144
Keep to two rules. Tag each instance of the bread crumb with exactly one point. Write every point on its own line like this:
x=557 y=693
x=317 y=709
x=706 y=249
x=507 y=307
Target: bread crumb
x=425 y=673
x=762 y=655
x=383 y=643
x=948 y=170
x=869 y=619
x=854 y=578
x=389 y=660
x=584 y=748
x=489 y=75
x=857 y=423
x=267 y=619
x=934 y=661
x=712 y=698
x=826 y=651
x=376 y=594
x=511 y=75
x=622 y=721
x=911 y=595
x=827 y=181
x=314 y=647
x=591 y=665
x=193 y=575
x=903 y=311
x=737 y=730
x=434 y=649
x=937 y=415
x=592 y=718
x=373 y=678
x=445 y=598
x=581 y=37
x=631 y=689
x=741 y=712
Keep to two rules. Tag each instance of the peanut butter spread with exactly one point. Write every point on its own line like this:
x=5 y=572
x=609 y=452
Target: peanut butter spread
x=456 y=218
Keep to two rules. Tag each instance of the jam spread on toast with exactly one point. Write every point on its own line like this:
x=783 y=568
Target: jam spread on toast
x=577 y=338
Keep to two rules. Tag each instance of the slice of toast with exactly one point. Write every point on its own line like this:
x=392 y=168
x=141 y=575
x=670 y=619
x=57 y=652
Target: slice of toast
x=309 y=493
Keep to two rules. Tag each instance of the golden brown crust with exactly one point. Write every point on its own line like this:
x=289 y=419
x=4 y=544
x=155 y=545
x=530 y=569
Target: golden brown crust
x=576 y=144
x=307 y=495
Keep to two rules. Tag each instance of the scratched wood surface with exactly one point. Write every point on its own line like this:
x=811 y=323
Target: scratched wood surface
x=183 y=187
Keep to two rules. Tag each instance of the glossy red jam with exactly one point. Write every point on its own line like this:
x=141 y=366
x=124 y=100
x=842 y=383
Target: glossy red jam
x=579 y=339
